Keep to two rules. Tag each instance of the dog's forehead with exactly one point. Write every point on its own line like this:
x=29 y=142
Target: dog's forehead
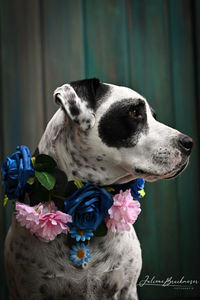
x=121 y=91
x=117 y=94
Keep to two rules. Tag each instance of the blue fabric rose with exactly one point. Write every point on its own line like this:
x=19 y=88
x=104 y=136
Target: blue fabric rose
x=88 y=206
x=16 y=170
x=135 y=185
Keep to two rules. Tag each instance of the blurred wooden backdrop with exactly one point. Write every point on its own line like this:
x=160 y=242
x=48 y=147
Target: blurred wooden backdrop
x=151 y=46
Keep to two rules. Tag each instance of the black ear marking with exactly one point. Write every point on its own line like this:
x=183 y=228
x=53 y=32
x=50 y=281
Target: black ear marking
x=75 y=108
x=86 y=89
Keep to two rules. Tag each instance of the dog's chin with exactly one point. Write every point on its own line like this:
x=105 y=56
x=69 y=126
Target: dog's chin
x=178 y=172
x=151 y=177
x=124 y=179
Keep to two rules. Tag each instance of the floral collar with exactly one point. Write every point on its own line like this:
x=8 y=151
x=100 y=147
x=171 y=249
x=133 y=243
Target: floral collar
x=80 y=211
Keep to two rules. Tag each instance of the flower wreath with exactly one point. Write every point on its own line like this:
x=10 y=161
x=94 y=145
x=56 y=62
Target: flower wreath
x=89 y=211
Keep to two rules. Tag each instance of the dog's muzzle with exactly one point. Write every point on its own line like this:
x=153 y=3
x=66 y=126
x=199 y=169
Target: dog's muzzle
x=185 y=144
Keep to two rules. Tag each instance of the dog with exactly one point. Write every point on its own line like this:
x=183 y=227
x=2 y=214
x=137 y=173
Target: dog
x=105 y=134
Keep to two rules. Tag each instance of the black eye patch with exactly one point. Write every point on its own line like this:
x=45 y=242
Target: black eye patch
x=122 y=124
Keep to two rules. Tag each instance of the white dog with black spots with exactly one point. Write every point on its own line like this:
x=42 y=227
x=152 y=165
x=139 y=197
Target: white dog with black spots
x=105 y=134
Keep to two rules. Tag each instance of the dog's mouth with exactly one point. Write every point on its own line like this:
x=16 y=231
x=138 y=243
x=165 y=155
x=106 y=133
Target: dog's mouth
x=178 y=172
x=124 y=179
x=151 y=176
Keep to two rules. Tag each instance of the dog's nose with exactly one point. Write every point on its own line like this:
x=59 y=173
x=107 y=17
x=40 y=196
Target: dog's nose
x=186 y=143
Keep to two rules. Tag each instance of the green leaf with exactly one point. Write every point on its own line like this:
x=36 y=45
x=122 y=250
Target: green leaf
x=44 y=163
x=101 y=230
x=47 y=180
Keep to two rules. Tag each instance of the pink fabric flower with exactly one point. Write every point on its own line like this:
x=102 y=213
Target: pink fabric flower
x=123 y=212
x=27 y=216
x=43 y=220
x=52 y=224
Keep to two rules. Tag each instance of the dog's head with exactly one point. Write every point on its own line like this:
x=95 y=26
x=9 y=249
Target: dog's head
x=111 y=135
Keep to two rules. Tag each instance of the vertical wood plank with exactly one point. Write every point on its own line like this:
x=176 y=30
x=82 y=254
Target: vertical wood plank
x=105 y=41
x=62 y=46
x=21 y=68
x=184 y=97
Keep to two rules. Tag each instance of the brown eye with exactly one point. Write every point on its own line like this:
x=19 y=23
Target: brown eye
x=134 y=113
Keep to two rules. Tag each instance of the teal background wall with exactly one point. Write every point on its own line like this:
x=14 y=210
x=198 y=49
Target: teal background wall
x=152 y=46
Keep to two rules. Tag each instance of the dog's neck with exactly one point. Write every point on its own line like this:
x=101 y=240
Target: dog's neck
x=69 y=146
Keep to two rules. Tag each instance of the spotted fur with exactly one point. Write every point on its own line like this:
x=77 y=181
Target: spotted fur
x=105 y=134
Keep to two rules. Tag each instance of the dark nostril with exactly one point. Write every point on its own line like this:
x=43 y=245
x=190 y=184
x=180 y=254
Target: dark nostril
x=186 y=142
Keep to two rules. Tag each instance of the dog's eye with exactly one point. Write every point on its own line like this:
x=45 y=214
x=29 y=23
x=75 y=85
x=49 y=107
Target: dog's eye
x=135 y=113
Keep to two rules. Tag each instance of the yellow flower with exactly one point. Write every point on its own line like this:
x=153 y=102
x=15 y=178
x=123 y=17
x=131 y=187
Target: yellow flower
x=5 y=201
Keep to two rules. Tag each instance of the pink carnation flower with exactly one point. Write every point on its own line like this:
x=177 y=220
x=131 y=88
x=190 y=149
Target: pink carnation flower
x=43 y=220
x=123 y=212
x=27 y=216
x=52 y=224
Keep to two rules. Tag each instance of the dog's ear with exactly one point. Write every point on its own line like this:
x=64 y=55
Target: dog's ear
x=78 y=101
